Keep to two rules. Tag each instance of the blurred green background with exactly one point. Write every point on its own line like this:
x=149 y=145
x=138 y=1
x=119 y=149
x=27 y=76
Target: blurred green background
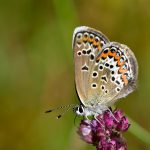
x=37 y=71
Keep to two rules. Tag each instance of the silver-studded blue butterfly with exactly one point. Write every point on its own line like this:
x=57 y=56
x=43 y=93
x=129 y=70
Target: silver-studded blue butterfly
x=104 y=71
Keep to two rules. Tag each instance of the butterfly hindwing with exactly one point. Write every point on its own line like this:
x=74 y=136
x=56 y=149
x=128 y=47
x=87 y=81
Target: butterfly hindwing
x=116 y=74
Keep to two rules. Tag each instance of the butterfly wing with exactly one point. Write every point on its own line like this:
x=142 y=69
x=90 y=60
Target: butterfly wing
x=128 y=70
x=87 y=43
x=104 y=71
x=117 y=72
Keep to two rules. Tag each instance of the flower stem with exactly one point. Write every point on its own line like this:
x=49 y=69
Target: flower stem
x=139 y=132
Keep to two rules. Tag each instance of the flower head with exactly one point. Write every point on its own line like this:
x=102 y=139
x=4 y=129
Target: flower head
x=105 y=132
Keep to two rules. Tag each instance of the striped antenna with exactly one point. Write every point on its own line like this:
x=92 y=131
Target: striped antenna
x=67 y=107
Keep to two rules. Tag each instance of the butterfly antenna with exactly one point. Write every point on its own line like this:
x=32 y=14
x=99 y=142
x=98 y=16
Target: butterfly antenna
x=61 y=107
x=59 y=116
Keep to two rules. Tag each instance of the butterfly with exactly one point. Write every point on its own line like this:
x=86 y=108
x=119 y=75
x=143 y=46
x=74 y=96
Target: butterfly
x=104 y=71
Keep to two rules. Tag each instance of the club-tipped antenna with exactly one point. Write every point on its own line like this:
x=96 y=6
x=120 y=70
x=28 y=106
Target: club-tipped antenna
x=67 y=108
x=60 y=107
x=59 y=116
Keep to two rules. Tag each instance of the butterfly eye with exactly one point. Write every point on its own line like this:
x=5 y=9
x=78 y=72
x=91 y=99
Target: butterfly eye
x=79 y=110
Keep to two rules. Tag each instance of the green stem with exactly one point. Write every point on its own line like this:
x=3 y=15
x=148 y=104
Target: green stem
x=139 y=132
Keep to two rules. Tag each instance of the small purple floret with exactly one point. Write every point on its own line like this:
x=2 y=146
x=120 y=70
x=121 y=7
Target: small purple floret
x=106 y=132
x=123 y=125
x=86 y=130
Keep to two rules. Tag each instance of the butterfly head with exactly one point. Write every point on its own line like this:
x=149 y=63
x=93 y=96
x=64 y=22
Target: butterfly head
x=79 y=110
x=86 y=111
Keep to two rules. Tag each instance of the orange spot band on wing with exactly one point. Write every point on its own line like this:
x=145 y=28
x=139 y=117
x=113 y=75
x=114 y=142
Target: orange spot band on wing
x=98 y=58
x=117 y=57
x=122 y=70
x=85 y=39
x=104 y=55
x=96 y=43
x=124 y=78
x=99 y=48
x=112 y=54
x=120 y=63
x=91 y=40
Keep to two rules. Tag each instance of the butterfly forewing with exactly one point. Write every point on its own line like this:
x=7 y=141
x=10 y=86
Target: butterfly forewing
x=87 y=43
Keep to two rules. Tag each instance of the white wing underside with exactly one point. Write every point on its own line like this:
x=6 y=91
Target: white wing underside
x=94 y=74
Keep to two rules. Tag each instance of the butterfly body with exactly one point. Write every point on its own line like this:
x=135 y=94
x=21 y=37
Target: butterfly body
x=104 y=71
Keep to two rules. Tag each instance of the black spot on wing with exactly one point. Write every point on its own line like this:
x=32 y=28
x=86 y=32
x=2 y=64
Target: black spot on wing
x=104 y=78
x=85 y=68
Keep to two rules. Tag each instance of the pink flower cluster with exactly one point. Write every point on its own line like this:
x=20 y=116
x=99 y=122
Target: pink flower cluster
x=105 y=132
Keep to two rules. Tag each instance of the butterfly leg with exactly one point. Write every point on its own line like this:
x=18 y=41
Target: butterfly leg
x=87 y=118
x=112 y=114
x=95 y=117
